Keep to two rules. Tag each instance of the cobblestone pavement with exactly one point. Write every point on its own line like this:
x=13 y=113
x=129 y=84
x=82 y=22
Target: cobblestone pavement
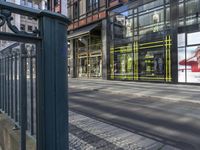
x=89 y=134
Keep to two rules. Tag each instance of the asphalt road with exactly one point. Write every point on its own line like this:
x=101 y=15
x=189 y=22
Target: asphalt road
x=169 y=122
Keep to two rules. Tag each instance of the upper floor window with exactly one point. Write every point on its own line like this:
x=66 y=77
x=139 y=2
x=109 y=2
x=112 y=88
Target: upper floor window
x=82 y=7
x=75 y=10
x=189 y=12
x=92 y=4
x=89 y=5
x=95 y=4
x=30 y=28
x=22 y=27
x=70 y=11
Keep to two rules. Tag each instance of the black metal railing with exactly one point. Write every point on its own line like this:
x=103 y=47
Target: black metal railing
x=11 y=65
x=33 y=80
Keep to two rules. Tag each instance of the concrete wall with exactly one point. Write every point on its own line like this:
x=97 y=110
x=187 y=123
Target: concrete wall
x=72 y=64
x=9 y=138
x=105 y=49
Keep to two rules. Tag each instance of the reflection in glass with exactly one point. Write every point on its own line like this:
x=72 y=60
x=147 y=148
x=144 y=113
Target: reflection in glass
x=151 y=63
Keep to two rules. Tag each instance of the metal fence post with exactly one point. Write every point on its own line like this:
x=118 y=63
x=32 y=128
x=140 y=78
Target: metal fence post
x=23 y=98
x=52 y=82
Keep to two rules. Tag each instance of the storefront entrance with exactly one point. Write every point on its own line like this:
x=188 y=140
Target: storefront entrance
x=82 y=66
x=89 y=66
x=89 y=59
x=95 y=67
x=86 y=45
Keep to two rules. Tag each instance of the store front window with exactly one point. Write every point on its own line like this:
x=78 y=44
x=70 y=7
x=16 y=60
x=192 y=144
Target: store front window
x=189 y=57
x=123 y=25
x=81 y=45
x=188 y=41
x=141 y=47
x=83 y=66
x=151 y=21
x=95 y=66
x=189 y=12
x=153 y=17
x=89 y=56
x=143 y=43
x=151 y=63
x=122 y=64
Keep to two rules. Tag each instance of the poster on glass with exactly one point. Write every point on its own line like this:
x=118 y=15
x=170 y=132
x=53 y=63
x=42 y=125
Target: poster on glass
x=191 y=64
x=181 y=66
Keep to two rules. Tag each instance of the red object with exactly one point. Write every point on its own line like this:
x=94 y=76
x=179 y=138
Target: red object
x=193 y=64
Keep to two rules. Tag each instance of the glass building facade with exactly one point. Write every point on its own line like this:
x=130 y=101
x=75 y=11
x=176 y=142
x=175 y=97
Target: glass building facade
x=155 y=41
x=139 y=40
x=85 y=60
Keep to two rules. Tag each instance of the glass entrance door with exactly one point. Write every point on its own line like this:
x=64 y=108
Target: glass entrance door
x=95 y=67
x=82 y=66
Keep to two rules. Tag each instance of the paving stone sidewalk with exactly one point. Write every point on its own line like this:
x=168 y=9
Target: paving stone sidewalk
x=89 y=134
